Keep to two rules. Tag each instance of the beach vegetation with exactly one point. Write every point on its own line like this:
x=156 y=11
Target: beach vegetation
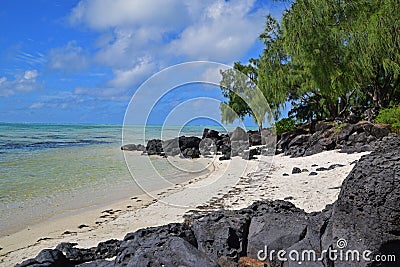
x=390 y=116
x=284 y=125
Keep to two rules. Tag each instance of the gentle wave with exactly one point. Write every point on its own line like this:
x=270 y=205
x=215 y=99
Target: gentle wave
x=51 y=144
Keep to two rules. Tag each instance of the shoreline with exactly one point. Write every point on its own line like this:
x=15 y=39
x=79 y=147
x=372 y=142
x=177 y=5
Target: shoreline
x=256 y=182
x=64 y=226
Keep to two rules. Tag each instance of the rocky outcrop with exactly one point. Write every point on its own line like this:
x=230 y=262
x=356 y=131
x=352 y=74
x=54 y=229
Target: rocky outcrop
x=168 y=245
x=349 y=138
x=133 y=147
x=309 y=139
x=367 y=212
x=212 y=134
x=154 y=147
x=188 y=147
x=47 y=257
x=236 y=143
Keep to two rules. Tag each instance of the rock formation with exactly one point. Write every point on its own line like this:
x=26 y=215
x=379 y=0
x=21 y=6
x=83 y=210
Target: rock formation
x=312 y=139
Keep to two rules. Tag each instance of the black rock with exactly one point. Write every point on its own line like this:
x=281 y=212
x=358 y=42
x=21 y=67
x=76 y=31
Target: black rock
x=154 y=147
x=129 y=147
x=333 y=166
x=300 y=140
x=287 y=137
x=275 y=224
x=47 y=258
x=239 y=135
x=97 y=263
x=285 y=174
x=107 y=249
x=224 y=145
x=189 y=142
x=238 y=147
x=171 y=147
x=212 y=134
x=349 y=138
x=296 y=170
x=207 y=146
x=254 y=138
x=169 y=245
x=313 y=173
x=191 y=153
x=188 y=147
x=367 y=213
x=133 y=147
x=223 y=234
x=171 y=252
x=76 y=255
x=249 y=154
x=316 y=226
x=225 y=157
x=322 y=126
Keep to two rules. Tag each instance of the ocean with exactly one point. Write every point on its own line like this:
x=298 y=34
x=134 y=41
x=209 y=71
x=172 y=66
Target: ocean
x=51 y=169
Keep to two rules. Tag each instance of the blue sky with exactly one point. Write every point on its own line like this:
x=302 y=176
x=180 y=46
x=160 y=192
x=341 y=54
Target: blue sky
x=82 y=61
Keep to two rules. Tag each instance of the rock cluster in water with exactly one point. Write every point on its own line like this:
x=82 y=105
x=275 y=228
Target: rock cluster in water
x=366 y=216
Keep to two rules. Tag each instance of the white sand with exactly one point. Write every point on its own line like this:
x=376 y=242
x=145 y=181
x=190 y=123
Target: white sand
x=232 y=184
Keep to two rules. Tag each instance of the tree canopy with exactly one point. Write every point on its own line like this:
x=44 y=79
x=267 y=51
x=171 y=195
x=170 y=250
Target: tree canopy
x=324 y=57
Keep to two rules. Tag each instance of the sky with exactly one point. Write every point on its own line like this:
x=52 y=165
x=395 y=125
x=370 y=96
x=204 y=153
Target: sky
x=82 y=61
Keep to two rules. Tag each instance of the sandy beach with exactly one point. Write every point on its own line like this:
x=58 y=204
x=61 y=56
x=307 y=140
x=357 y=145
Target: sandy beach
x=231 y=184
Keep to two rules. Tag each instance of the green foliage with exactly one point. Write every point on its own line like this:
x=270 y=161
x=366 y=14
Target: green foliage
x=233 y=86
x=339 y=127
x=284 y=125
x=274 y=67
x=348 y=51
x=390 y=116
x=239 y=86
x=325 y=57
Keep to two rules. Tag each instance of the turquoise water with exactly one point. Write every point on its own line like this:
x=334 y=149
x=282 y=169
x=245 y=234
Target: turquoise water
x=48 y=169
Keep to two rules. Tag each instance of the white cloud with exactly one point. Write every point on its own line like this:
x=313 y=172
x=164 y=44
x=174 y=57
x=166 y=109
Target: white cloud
x=213 y=75
x=22 y=82
x=103 y=14
x=69 y=58
x=32 y=59
x=30 y=74
x=61 y=100
x=103 y=93
x=129 y=77
x=139 y=37
x=225 y=32
x=117 y=89
x=37 y=105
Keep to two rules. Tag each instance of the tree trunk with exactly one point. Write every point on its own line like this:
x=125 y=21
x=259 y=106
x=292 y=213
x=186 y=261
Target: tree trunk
x=333 y=110
x=375 y=97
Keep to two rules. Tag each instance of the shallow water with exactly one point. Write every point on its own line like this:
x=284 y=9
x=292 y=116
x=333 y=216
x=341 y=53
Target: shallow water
x=47 y=169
